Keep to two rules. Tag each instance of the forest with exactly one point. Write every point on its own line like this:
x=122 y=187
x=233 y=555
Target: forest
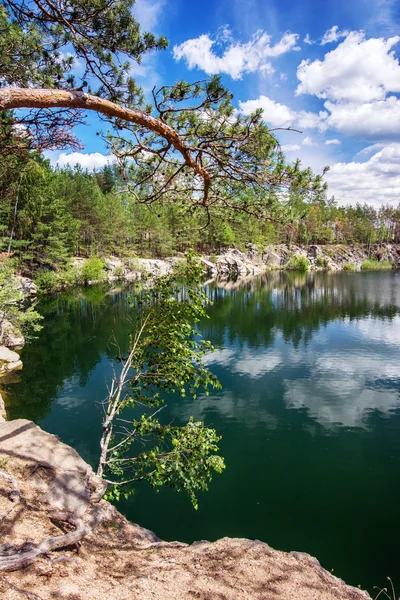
x=49 y=214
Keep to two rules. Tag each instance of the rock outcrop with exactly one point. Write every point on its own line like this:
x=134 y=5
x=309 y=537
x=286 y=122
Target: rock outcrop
x=118 y=560
x=135 y=269
x=12 y=337
x=333 y=257
x=9 y=361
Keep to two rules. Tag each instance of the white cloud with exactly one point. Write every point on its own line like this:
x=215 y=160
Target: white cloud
x=333 y=35
x=237 y=58
x=333 y=142
x=307 y=120
x=277 y=115
x=87 y=161
x=290 y=147
x=281 y=115
x=369 y=120
x=375 y=181
x=308 y=141
x=308 y=40
x=358 y=70
x=148 y=13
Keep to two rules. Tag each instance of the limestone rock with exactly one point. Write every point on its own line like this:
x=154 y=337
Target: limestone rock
x=14 y=366
x=12 y=337
x=27 y=286
x=7 y=355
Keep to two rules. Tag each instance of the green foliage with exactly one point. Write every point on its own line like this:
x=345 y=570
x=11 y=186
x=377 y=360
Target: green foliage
x=375 y=265
x=323 y=262
x=118 y=271
x=56 y=281
x=166 y=357
x=347 y=266
x=92 y=270
x=22 y=319
x=297 y=262
x=47 y=281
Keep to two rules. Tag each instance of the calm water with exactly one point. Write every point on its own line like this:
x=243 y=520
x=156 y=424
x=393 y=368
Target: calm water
x=309 y=413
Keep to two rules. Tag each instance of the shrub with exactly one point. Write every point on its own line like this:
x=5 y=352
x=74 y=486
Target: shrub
x=15 y=318
x=118 y=271
x=92 y=270
x=323 y=262
x=347 y=266
x=374 y=265
x=297 y=262
x=47 y=281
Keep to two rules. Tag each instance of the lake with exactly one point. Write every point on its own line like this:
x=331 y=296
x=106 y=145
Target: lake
x=309 y=412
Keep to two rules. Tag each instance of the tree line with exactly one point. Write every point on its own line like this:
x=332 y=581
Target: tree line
x=49 y=214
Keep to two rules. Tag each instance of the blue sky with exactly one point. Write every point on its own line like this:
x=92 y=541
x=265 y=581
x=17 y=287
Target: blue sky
x=330 y=69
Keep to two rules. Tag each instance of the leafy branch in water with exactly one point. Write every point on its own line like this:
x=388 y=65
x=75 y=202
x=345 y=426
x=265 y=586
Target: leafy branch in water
x=165 y=357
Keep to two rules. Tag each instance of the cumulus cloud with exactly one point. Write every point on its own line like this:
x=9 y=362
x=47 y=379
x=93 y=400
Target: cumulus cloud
x=308 y=141
x=333 y=142
x=148 y=13
x=87 y=161
x=290 y=147
x=376 y=181
x=369 y=120
x=333 y=35
x=277 y=115
x=237 y=58
x=358 y=82
x=378 y=120
x=281 y=115
x=358 y=70
x=307 y=120
x=308 y=40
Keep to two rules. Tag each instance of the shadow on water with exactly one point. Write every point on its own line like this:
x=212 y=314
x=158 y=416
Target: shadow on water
x=309 y=411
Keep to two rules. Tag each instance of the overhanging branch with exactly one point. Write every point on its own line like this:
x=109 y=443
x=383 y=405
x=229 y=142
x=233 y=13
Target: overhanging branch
x=12 y=98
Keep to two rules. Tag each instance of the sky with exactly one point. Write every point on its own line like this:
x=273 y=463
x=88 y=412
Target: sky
x=328 y=69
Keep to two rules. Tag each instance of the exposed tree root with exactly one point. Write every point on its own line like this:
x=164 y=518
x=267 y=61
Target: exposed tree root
x=12 y=559
x=14 y=496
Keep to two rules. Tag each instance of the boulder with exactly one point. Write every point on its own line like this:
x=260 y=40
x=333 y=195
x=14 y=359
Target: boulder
x=12 y=337
x=7 y=355
x=26 y=285
x=112 y=263
x=14 y=366
x=9 y=361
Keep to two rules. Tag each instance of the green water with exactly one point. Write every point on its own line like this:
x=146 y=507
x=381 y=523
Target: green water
x=309 y=413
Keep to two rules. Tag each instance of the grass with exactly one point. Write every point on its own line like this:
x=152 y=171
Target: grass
x=323 y=262
x=348 y=266
x=375 y=265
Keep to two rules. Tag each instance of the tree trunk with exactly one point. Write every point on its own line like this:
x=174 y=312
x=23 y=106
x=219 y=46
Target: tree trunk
x=11 y=98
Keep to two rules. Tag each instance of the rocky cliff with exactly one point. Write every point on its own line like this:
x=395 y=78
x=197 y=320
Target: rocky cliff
x=59 y=540
x=334 y=257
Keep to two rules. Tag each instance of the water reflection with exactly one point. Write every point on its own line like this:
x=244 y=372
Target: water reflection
x=309 y=411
